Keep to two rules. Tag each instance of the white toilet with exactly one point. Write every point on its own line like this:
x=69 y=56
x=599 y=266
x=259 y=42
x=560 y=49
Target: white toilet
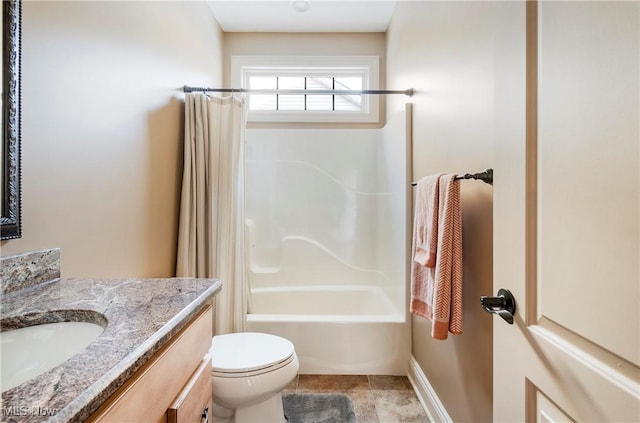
x=250 y=370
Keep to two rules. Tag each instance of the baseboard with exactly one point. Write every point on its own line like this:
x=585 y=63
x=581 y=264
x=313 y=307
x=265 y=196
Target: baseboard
x=426 y=394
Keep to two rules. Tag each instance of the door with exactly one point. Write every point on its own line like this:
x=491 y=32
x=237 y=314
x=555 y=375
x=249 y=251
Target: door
x=567 y=211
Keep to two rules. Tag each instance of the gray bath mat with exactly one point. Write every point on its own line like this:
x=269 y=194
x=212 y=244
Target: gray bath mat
x=318 y=408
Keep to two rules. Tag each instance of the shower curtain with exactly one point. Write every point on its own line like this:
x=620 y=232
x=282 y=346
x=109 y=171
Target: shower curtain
x=211 y=228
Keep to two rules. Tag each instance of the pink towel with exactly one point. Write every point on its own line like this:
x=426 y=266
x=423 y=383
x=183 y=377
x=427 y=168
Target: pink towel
x=436 y=293
x=426 y=221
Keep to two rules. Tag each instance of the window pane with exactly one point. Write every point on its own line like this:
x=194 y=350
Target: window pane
x=290 y=102
x=349 y=83
x=263 y=82
x=348 y=103
x=291 y=83
x=319 y=102
x=262 y=102
x=319 y=83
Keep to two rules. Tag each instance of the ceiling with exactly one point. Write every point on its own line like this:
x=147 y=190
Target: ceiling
x=303 y=15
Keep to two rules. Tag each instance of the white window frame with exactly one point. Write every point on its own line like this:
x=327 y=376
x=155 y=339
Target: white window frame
x=242 y=67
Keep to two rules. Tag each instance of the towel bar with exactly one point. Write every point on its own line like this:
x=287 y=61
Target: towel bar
x=486 y=176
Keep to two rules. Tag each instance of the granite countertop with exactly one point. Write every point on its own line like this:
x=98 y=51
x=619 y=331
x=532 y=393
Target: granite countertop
x=139 y=316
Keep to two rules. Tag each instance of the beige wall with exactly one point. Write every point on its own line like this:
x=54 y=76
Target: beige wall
x=102 y=129
x=102 y=122
x=444 y=51
x=307 y=44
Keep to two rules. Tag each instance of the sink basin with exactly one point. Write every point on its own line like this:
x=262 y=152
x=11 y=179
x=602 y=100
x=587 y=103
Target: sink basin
x=30 y=351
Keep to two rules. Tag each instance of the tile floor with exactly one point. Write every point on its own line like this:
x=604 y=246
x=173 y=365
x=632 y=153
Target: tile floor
x=376 y=399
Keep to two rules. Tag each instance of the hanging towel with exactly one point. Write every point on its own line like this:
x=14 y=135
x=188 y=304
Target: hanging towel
x=437 y=292
x=426 y=221
x=424 y=245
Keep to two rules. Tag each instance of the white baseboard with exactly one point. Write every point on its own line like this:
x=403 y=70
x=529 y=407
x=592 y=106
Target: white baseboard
x=426 y=394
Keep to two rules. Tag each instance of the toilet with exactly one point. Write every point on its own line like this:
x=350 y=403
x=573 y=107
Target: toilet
x=249 y=371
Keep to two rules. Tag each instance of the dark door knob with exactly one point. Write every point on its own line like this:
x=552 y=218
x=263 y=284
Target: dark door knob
x=504 y=305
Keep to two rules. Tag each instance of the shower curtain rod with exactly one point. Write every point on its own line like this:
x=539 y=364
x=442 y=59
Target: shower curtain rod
x=486 y=176
x=188 y=89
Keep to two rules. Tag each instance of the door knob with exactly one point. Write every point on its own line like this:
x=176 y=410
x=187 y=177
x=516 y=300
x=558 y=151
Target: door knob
x=504 y=305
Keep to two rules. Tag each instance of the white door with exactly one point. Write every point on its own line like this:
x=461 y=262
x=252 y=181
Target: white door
x=567 y=211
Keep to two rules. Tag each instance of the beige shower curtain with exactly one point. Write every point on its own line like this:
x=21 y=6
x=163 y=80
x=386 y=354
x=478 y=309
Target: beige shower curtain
x=211 y=230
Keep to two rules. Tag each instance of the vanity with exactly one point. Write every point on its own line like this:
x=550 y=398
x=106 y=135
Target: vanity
x=149 y=364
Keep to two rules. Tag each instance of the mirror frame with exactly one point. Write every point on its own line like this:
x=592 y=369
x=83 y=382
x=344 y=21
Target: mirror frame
x=11 y=218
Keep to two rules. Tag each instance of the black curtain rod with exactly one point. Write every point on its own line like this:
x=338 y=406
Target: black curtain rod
x=188 y=89
x=486 y=176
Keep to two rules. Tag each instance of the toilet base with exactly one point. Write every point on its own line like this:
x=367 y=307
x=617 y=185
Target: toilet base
x=268 y=411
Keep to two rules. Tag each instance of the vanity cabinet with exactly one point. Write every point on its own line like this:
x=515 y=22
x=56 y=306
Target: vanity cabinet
x=173 y=386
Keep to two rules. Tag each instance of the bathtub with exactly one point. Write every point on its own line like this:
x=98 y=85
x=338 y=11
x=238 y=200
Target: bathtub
x=328 y=236
x=335 y=329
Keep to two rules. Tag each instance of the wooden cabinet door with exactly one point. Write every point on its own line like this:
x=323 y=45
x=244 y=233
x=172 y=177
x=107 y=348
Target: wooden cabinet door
x=147 y=395
x=193 y=404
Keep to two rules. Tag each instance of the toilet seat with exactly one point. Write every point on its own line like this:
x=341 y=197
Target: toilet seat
x=248 y=353
x=258 y=372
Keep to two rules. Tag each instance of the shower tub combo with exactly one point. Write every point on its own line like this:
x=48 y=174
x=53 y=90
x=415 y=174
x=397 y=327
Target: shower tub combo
x=337 y=328
x=326 y=232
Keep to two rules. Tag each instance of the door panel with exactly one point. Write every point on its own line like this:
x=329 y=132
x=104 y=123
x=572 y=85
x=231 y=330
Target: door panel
x=567 y=211
x=588 y=181
x=546 y=410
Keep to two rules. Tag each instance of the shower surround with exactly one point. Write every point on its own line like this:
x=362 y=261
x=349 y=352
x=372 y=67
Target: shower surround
x=326 y=220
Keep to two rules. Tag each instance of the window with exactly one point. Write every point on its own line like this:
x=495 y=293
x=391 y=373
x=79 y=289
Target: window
x=306 y=102
x=304 y=75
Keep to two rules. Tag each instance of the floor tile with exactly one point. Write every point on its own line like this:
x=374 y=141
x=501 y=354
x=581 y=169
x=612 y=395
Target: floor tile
x=397 y=383
x=399 y=407
x=291 y=387
x=364 y=406
x=376 y=399
x=332 y=383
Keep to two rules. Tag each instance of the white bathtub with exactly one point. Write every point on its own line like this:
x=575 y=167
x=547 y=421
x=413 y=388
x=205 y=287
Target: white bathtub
x=327 y=233
x=335 y=329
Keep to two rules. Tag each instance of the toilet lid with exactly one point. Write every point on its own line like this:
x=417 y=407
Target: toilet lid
x=248 y=351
